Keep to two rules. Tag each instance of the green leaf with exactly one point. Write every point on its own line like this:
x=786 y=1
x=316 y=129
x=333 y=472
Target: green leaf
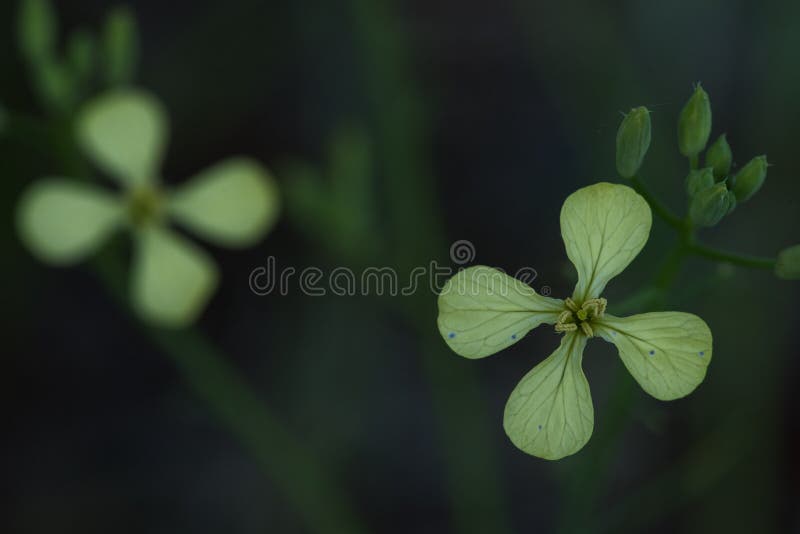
x=666 y=352
x=233 y=203
x=172 y=279
x=482 y=311
x=37 y=26
x=550 y=414
x=125 y=133
x=61 y=221
x=120 y=47
x=604 y=227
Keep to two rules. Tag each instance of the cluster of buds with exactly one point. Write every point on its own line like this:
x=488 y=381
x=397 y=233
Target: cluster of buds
x=714 y=191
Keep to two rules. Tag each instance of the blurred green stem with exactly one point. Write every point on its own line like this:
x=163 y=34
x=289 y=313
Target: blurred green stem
x=321 y=503
x=472 y=467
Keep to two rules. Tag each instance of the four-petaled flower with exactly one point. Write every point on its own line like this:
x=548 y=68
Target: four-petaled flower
x=233 y=204
x=549 y=414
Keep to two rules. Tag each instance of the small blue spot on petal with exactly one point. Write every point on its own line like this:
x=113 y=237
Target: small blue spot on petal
x=702 y=353
x=613 y=333
x=451 y=335
x=540 y=427
x=513 y=336
x=652 y=352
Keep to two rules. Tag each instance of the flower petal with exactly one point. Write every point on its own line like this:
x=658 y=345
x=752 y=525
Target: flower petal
x=604 y=227
x=62 y=221
x=666 y=352
x=482 y=311
x=125 y=133
x=550 y=414
x=233 y=203
x=172 y=278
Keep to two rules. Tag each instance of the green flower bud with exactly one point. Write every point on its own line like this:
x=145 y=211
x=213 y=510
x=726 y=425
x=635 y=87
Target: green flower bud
x=699 y=179
x=750 y=178
x=80 y=54
x=37 y=27
x=694 y=123
x=788 y=264
x=720 y=157
x=710 y=205
x=633 y=140
x=732 y=201
x=120 y=46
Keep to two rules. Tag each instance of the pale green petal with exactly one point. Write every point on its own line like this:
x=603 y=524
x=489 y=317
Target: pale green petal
x=604 y=227
x=233 y=203
x=62 y=221
x=482 y=311
x=550 y=414
x=125 y=133
x=172 y=278
x=666 y=352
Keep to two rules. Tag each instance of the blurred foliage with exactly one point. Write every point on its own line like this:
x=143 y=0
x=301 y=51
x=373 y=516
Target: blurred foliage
x=473 y=122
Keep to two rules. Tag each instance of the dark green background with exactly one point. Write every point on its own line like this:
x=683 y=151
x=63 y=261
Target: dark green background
x=482 y=118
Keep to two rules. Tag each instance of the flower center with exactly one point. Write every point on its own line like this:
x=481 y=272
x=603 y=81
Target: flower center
x=144 y=205
x=576 y=317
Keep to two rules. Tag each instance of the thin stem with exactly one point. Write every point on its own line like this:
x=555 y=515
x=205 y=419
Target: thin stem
x=473 y=471
x=694 y=162
x=660 y=209
x=293 y=469
x=754 y=262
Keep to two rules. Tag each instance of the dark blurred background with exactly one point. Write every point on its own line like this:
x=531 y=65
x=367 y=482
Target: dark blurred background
x=481 y=118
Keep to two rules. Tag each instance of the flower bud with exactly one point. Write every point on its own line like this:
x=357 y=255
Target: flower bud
x=699 y=179
x=37 y=27
x=731 y=201
x=710 y=205
x=750 y=178
x=720 y=157
x=694 y=123
x=633 y=140
x=788 y=264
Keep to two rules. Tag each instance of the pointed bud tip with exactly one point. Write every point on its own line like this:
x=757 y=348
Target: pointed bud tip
x=694 y=123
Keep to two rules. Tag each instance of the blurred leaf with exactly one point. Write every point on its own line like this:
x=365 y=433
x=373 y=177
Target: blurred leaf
x=37 y=27
x=120 y=47
x=233 y=203
x=172 y=279
x=125 y=133
x=61 y=222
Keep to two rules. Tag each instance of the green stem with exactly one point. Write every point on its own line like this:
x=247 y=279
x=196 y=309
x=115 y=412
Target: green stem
x=471 y=465
x=754 y=262
x=289 y=464
x=694 y=162
x=292 y=468
x=660 y=209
